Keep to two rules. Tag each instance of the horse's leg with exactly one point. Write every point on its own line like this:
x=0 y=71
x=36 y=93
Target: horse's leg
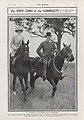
x=21 y=82
x=23 y=91
x=14 y=80
x=26 y=82
x=54 y=86
x=33 y=77
x=56 y=80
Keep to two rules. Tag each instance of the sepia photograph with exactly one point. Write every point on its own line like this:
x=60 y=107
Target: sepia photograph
x=42 y=63
x=42 y=51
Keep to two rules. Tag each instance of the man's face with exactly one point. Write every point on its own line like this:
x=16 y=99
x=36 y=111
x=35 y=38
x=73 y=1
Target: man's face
x=48 y=37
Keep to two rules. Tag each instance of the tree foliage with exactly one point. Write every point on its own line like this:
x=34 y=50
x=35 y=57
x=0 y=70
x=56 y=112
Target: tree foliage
x=39 y=26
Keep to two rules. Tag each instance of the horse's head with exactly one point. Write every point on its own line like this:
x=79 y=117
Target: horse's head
x=25 y=51
x=67 y=53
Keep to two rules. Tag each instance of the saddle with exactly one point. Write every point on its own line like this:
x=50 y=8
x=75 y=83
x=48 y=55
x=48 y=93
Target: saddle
x=14 y=59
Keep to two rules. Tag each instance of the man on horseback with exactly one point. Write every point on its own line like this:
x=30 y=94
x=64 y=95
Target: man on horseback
x=15 y=43
x=46 y=51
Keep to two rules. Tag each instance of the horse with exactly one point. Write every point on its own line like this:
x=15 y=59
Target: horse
x=54 y=67
x=21 y=67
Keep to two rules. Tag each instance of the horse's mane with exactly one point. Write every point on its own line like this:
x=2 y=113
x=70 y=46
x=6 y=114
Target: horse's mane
x=19 y=50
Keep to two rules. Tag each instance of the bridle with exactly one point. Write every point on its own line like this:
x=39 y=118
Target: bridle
x=69 y=55
x=24 y=51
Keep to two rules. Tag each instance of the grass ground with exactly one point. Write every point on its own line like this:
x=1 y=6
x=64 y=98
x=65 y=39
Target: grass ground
x=65 y=96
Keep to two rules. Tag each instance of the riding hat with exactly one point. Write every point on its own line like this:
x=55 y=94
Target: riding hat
x=20 y=28
x=48 y=34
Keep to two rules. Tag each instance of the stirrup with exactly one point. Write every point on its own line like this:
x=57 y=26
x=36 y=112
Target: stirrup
x=62 y=77
x=44 y=77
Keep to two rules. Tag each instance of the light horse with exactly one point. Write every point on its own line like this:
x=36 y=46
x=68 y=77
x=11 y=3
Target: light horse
x=53 y=68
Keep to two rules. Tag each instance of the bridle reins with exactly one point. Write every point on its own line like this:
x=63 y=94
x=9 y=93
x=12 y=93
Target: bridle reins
x=62 y=58
x=55 y=66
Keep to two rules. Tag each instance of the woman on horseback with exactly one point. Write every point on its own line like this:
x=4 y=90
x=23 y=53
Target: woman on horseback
x=15 y=43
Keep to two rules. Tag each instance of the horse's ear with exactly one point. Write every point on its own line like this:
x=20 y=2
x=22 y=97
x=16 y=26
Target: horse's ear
x=64 y=45
x=70 y=45
x=27 y=42
x=22 y=42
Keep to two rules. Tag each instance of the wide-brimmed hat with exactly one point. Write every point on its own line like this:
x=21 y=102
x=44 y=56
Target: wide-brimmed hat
x=20 y=28
x=48 y=34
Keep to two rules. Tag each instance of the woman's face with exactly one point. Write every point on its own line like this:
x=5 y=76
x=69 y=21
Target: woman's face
x=19 y=32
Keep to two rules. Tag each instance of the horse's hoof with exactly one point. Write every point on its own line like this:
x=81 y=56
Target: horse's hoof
x=32 y=90
x=52 y=97
x=24 y=100
x=26 y=88
x=14 y=93
x=49 y=96
x=22 y=92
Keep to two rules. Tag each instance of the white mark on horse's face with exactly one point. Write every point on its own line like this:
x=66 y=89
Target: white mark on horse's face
x=34 y=73
x=26 y=46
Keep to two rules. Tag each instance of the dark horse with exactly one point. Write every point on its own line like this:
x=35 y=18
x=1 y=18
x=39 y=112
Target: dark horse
x=21 y=67
x=53 y=68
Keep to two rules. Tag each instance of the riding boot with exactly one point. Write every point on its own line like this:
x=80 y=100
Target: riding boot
x=14 y=60
x=44 y=76
x=61 y=77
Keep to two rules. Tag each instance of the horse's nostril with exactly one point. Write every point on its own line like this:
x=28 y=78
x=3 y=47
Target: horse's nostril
x=72 y=59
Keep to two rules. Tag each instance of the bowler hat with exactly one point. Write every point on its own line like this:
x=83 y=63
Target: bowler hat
x=48 y=34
